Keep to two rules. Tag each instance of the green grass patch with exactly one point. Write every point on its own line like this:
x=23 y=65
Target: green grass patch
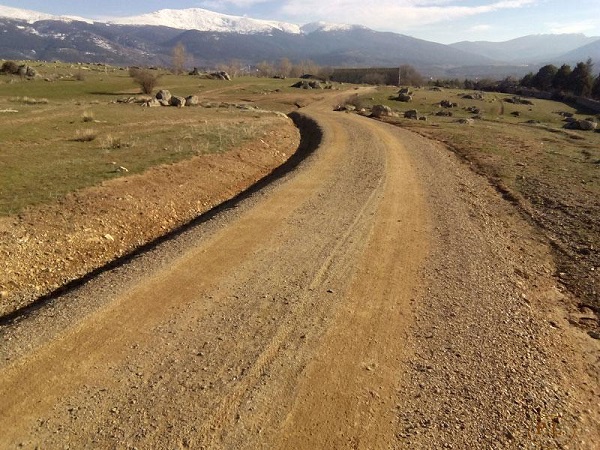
x=68 y=131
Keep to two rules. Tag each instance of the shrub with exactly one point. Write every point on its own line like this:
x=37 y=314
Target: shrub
x=85 y=135
x=10 y=67
x=144 y=78
x=87 y=116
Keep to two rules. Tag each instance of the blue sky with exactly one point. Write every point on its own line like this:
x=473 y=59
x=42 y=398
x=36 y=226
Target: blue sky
x=442 y=21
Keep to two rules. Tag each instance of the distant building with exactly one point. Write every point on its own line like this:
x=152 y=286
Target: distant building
x=387 y=76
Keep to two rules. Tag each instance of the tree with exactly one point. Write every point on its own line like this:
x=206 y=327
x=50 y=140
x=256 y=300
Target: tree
x=265 y=69
x=544 y=78
x=144 y=78
x=527 y=80
x=285 y=67
x=179 y=59
x=581 y=80
x=561 y=79
x=410 y=76
x=596 y=88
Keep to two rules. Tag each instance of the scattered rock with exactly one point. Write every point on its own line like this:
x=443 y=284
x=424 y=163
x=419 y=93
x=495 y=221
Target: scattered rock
x=179 y=102
x=381 y=111
x=192 y=100
x=474 y=96
x=404 y=98
x=466 y=121
x=448 y=104
x=518 y=101
x=163 y=94
x=411 y=114
x=305 y=84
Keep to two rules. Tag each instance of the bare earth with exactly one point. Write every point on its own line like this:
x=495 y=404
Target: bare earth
x=380 y=296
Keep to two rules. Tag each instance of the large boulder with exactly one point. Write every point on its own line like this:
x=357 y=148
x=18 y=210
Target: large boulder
x=587 y=125
x=221 y=76
x=177 y=101
x=305 y=84
x=404 y=97
x=381 y=111
x=163 y=94
x=448 y=104
x=192 y=100
x=411 y=114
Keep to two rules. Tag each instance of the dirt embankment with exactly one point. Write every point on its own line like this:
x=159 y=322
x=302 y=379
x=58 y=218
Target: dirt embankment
x=43 y=248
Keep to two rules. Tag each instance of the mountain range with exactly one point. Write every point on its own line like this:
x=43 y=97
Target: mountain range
x=211 y=38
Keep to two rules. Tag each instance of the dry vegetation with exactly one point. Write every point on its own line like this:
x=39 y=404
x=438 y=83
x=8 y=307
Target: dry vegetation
x=551 y=173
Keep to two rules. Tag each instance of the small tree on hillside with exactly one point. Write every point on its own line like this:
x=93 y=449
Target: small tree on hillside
x=146 y=79
x=544 y=78
x=285 y=67
x=561 y=79
x=581 y=81
x=179 y=57
x=596 y=88
x=410 y=76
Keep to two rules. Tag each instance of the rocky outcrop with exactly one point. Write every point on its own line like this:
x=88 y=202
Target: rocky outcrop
x=381 y=111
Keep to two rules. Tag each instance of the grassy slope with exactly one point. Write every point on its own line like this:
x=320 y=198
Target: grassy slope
x=554 y=173
x=43 y=158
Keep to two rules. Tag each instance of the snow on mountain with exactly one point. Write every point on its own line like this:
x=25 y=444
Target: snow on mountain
x=204 y=20
x=326 y=27
x=190 y=19
x=34 y=16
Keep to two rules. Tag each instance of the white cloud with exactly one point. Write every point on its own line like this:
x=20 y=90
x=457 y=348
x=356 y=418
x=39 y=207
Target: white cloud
x=392 y=14
x=480 y=28
x=571 y=27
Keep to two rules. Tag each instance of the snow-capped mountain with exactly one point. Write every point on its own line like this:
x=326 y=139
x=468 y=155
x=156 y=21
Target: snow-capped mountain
x=34 y=16
x=211 y=39
x=204 y=20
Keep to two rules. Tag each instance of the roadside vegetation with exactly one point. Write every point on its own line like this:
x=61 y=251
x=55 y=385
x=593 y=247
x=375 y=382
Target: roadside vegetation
x=74 y=126
x=522 y=146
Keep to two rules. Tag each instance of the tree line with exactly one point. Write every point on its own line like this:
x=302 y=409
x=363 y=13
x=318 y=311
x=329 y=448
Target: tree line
x=578 y=81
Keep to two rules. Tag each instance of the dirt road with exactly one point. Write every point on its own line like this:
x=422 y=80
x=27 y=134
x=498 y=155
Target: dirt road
x=379 y=296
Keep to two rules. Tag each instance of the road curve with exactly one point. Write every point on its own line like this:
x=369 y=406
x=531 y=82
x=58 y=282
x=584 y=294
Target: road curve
x=315 y=314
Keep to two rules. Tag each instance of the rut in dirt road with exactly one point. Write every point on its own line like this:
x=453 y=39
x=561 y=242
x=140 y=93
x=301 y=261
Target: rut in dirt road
x=366 y=300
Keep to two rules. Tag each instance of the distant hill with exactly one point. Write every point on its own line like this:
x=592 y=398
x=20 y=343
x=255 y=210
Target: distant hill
x=211 y=38
x=583 y=53
x=533 y=49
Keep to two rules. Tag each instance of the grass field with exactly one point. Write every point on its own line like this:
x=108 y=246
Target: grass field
x=64 y=130
x=553 y=173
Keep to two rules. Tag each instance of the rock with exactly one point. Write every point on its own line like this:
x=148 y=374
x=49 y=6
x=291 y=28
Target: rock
x=473 y=109
x=518 y=101
x=179 y=102
x=594 y=335
x=587 y=125
x=411 y=114
x=108 y=237
x=444 y=113
x=466 y=121
x=515 y=113
x=423 y=118
x=381 y=111
x=404 y=91
x=404 y=98
x=151 y=103
x=474 y=96
x=192 y=100
x=163 y=94
x=448 y=104
x=220 y=76
x=304 y=84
